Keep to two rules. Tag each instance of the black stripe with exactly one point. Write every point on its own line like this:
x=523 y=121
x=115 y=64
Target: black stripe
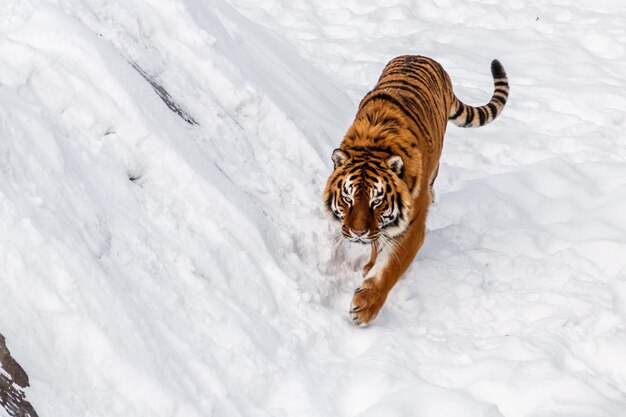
x=482 y=115
x=385 y=149
x=494 y=110
x=388 y=121
x=438 y=73
x=403 y=88
x=417 y=137
x=501 y=91
x=376 y=164
x=412 y=105
x=399 y=72
x=414 y=87
x=424 y=75
x=368 y=177
x=458 y=111
x=404 y=151
x=395 y=102
x=421 y=72
x=427 y=68
x=368 y=168
x=501 y=83
x=470 y=116
x=499 y=99
x=428 y=71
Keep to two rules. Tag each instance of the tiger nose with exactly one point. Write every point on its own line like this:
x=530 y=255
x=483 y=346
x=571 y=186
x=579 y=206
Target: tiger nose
x=359 y=233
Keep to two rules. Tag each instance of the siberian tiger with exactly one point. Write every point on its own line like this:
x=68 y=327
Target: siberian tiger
x=385 y=167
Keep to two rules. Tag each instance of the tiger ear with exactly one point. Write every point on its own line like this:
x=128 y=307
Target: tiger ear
x=339 y=157
x=396 y=164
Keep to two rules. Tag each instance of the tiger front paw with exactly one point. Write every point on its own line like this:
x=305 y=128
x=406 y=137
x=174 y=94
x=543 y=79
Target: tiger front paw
x=367 y=301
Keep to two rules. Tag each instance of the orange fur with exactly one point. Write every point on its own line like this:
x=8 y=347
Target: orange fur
x=381 y=187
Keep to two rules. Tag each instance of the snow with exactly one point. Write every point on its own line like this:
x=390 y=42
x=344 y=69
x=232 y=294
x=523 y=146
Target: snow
x=153 y=267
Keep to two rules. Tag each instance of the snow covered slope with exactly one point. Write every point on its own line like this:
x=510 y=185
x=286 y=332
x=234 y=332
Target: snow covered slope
x=162 y=247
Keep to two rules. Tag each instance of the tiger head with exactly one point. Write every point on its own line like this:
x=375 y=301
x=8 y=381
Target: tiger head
x=367 y=195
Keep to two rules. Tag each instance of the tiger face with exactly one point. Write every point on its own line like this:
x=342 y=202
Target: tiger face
x=366 y=194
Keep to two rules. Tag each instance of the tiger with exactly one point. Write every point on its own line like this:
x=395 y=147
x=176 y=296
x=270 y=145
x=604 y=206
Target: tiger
x=381 y=186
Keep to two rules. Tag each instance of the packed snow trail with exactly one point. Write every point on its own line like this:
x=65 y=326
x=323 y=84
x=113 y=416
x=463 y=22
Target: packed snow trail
x=157 y=267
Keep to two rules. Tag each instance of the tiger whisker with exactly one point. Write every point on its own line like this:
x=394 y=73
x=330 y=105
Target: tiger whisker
x=390 y=246
x=338 y=241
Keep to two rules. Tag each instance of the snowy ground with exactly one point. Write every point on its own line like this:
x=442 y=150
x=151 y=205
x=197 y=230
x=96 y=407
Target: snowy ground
x=157 y=266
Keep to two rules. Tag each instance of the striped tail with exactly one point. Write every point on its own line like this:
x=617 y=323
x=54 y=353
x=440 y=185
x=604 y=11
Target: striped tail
x=468 y=116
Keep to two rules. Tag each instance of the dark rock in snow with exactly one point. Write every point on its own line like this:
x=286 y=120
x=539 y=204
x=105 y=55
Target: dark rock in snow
x=13 y=380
